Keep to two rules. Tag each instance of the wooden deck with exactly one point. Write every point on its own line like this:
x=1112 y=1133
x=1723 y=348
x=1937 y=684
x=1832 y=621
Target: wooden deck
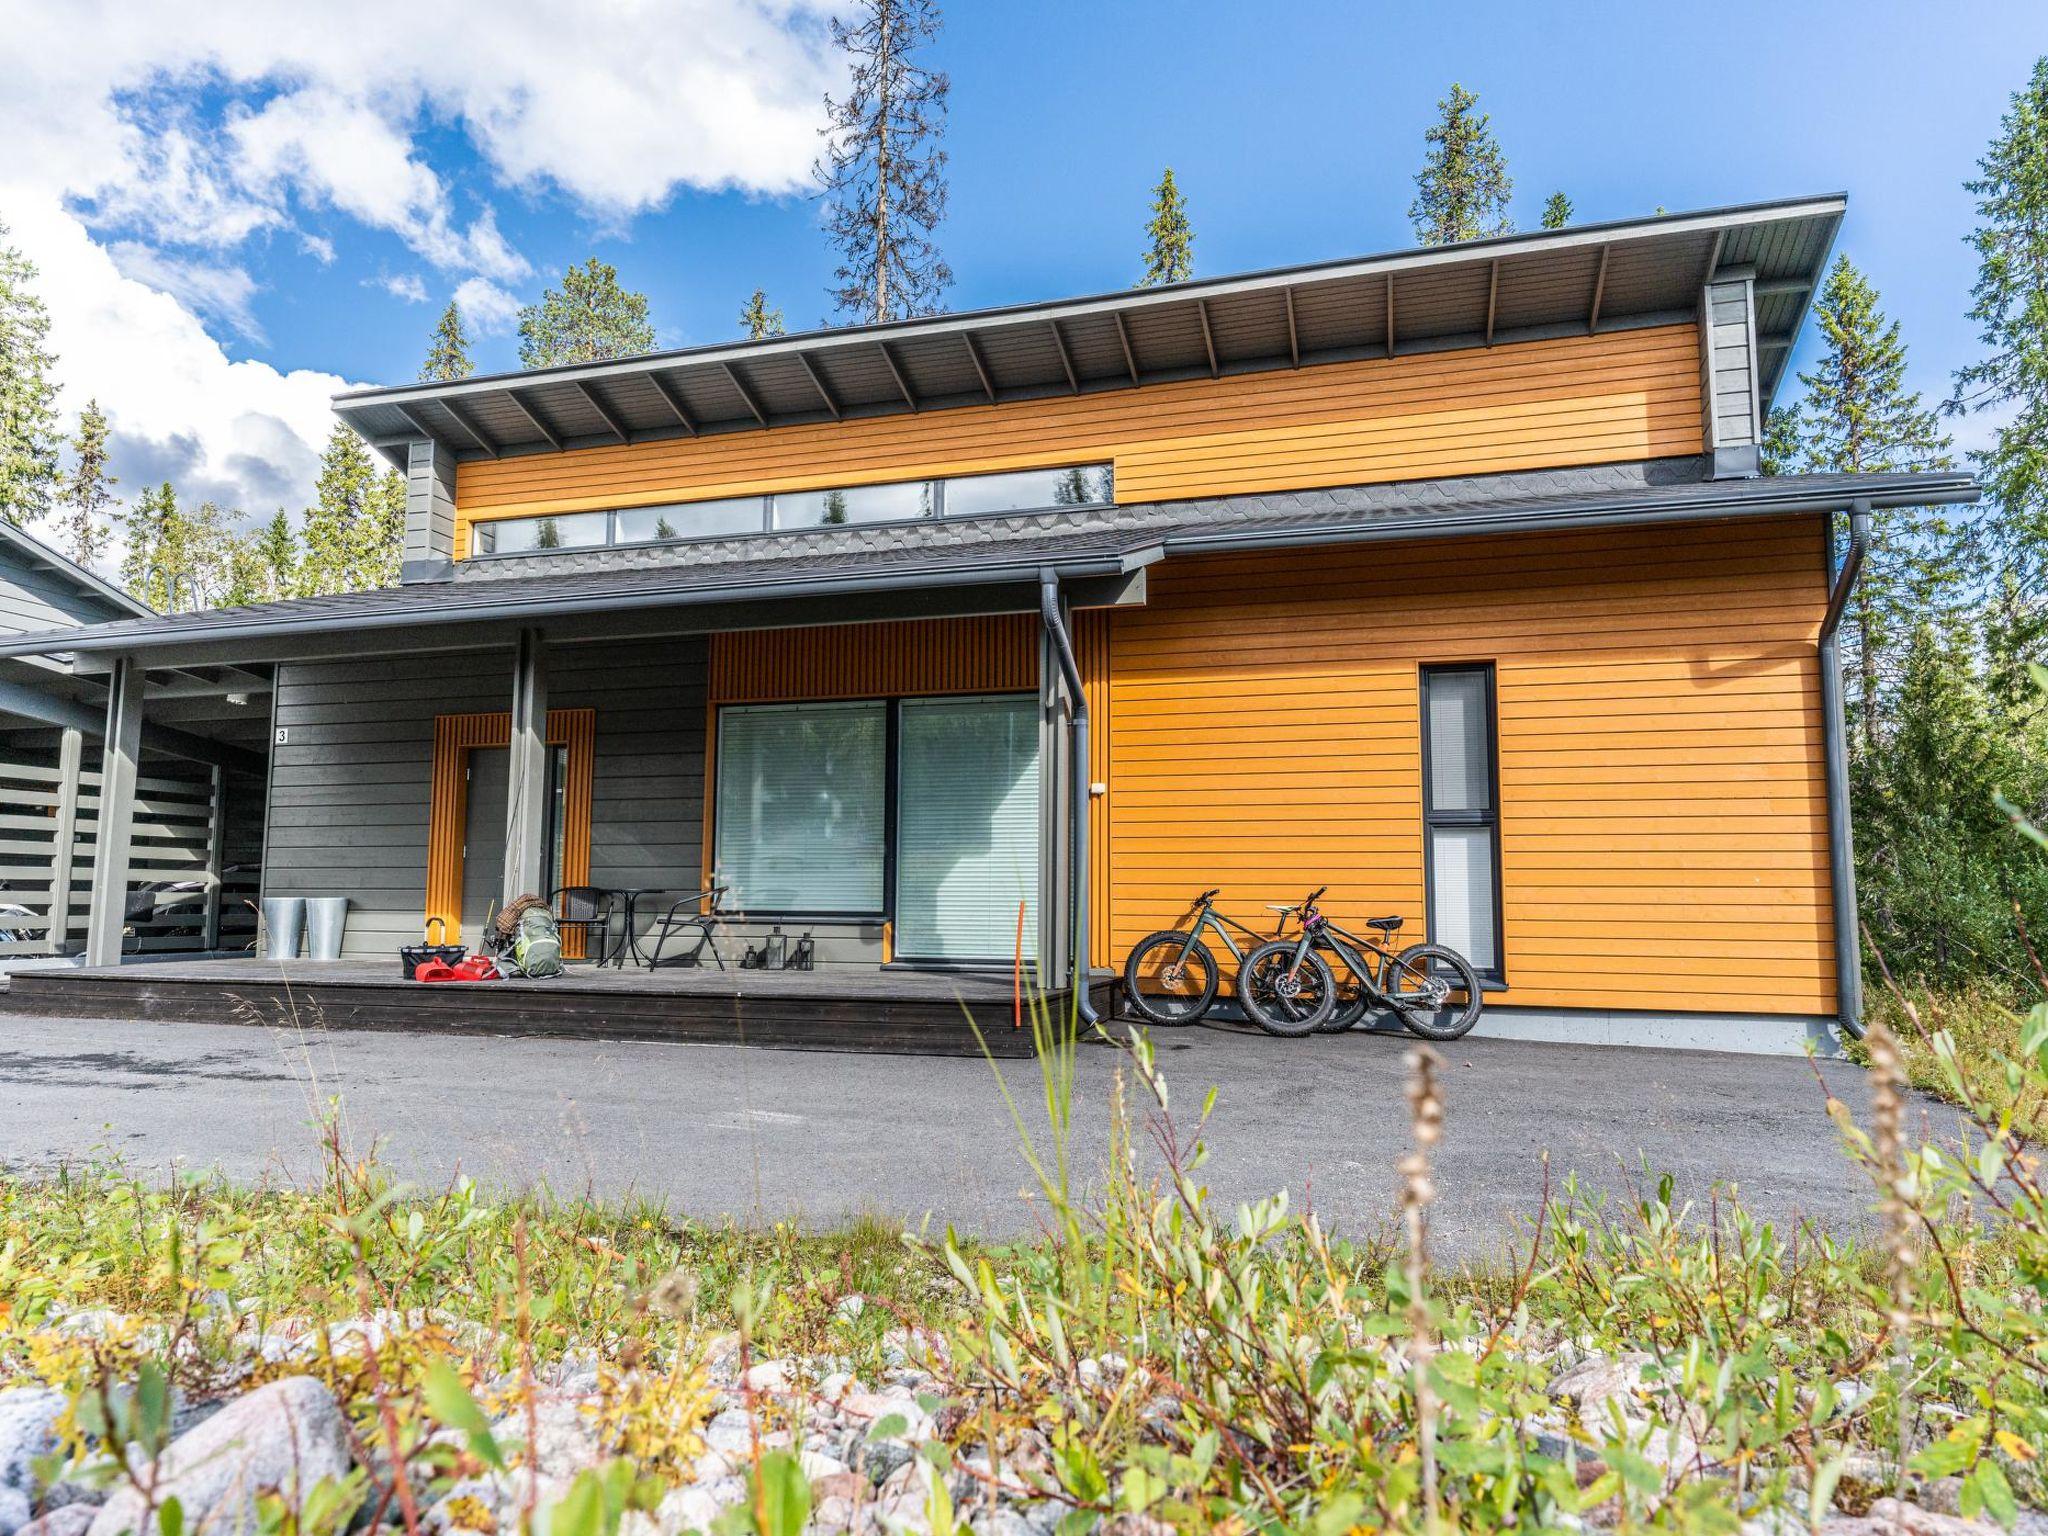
x=837 y=1009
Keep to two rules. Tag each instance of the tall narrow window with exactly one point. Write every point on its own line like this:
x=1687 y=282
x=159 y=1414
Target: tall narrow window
x=1461 y=812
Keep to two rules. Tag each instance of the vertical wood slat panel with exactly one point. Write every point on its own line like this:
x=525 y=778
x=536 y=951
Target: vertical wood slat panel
x=994 y=653
x=455 y=736
x=1662 y=805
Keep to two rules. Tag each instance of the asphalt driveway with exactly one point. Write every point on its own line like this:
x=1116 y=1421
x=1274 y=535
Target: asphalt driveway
x=714 y=1130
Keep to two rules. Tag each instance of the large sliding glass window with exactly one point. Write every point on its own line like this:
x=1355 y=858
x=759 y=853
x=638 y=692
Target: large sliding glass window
x=801 y=793
x=967 y=828
x=1461 y=812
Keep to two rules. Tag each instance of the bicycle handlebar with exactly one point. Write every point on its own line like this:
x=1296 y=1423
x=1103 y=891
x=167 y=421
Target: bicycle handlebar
x=1208 y=895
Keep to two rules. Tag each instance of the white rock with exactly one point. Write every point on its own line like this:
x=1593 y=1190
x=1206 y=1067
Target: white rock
x=28 y=1429
x=850 y=1307
x=69 y=1520
x=1593 y=1383
x=816 y=1464
x=770 y=1376
x=731 y=1432
x=286 y=1436
x=564 y=1436
x=837 y=1384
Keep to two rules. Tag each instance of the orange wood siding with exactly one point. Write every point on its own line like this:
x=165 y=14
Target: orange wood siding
x=1663 y=816
x=1573 y=400
x=1092 y=656
x=997 y=653
x=448 y=813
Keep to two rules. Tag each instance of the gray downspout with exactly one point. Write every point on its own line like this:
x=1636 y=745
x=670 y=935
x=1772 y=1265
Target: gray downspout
x=1077 y=817
x=1835 y=738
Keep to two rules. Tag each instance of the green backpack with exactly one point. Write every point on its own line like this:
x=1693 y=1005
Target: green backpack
x=537 y=943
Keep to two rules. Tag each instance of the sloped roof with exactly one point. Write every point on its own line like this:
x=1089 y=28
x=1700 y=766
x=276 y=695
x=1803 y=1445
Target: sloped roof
x=1596 y=277
x=1477 y=505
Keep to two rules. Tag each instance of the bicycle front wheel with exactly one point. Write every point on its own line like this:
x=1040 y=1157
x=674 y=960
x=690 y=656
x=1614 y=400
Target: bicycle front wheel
x=1434 y=991
x=1284 y=998
x=1168 y=979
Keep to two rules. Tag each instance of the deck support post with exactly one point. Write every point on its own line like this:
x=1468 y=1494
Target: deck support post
x=526 y=798
x=114 y=826
x=216 y=854
x=1835 y=749
x=1078 y=801
x=64 y=839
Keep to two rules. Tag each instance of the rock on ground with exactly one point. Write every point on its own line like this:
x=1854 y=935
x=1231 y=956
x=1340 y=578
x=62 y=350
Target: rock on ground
x=28 y=1429
x=286 y=1436
x=71 y=1520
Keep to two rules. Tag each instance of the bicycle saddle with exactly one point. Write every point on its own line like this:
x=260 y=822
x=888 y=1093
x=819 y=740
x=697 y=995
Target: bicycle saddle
x=1274 y=906
x=1384 y=924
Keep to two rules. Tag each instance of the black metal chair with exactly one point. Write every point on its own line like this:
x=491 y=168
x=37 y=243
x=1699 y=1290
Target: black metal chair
x=689 y=915
x=589 y=910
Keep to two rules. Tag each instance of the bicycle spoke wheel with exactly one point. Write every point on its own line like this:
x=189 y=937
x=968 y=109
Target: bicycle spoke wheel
x=1168 y=981
x=1434 y=990
x=1284 y=998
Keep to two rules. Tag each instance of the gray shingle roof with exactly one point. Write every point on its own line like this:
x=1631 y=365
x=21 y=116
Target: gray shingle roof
x=1123 y=538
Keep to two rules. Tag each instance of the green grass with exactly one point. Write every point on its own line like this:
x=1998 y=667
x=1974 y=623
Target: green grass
x=1985 y=1024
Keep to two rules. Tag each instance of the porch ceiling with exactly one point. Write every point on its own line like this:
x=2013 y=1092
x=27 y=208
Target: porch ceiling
x=1598 y=277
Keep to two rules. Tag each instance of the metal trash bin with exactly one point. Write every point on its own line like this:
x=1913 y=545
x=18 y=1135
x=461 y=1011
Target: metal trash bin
x=284 y=919
x=326 y=916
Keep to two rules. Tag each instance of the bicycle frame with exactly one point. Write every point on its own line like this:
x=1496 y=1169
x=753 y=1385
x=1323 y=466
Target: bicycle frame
x=1206 y=916
x=1318 y=932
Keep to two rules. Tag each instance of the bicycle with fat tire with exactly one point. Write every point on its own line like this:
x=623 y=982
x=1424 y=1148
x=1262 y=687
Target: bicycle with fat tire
x=1171 y=977
x=1288 y=988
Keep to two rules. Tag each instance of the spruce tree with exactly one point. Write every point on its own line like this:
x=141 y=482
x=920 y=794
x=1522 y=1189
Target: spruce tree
x=355 y=529
x=1857 y=416
x=758 y=320
x=1169 y=238
x=28 y=397
x=883 y=169
x=87 y=492
x=175 y=560
x=1557 y=211
x=589 y=319
x=259 y=566
x=277 y=547
x=1462 y=190
x=448 y=352
x=2010 y=305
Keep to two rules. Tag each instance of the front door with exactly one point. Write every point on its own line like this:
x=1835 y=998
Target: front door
x=483 y=853
x=967 y=828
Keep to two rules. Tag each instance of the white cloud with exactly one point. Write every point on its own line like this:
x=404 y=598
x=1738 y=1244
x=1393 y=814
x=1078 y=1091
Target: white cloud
x=147 y=141
x=404 y=285
x=487 y=309
x=218 y=292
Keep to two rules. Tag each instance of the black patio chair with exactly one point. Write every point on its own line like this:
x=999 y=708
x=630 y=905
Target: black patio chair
x=690 y=915
x=589 y=909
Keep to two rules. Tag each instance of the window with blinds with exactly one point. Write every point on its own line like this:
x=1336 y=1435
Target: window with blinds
x=1461 y=812
x=800 y=807
x=966 y=827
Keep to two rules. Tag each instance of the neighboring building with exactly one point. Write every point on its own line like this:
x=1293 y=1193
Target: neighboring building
x=193 y=863
x=1444 y=578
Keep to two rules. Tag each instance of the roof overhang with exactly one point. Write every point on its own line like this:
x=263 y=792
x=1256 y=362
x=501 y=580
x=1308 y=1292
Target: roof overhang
x=36 y=555
x=1594 y=278
x=1101 y=567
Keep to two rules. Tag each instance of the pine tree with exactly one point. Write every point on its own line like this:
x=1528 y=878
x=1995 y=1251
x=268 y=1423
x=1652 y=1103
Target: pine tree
x=589 y=319
x=1462 y=190
x=1557 y=211
x=1170 y=239
x=883 y=169
x=87 y=492
x=2010 y=305
x=260 y=565
x=1857 y=416
x=28 y=397
x=355 y=530
x=448 y=352
x=758 y=320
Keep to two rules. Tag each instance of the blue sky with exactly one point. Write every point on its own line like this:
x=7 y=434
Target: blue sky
x=1295 y=130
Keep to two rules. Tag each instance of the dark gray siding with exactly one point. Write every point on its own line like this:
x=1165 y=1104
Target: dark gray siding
x=350 y=785
x=33 y=599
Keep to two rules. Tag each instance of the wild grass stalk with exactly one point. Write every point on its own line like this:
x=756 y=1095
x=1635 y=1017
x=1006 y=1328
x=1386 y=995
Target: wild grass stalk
x=1418 y=1189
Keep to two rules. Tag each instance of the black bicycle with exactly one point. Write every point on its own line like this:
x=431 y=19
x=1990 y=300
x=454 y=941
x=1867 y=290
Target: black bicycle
x=1171 y=977
x=1289 y=989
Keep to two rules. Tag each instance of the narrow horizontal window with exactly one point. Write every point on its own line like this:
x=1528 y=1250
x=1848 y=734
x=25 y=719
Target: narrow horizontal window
x=566 y=530
x=692 y=520
x=1029 y=490
x=905 y=501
